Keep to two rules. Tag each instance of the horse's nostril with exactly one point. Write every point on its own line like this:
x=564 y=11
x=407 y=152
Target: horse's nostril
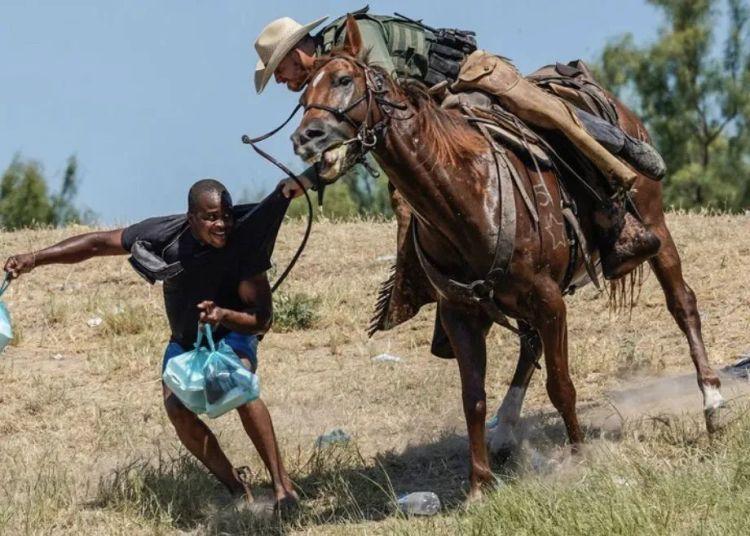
x=312 y=133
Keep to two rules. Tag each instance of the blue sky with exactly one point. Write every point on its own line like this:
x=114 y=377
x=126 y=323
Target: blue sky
x=153 y=95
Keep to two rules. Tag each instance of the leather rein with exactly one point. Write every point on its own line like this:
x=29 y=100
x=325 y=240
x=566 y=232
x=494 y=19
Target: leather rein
x=366 y=136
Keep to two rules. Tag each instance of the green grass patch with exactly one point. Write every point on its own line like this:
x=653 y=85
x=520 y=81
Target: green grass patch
x=128 y=320
x=296 y=311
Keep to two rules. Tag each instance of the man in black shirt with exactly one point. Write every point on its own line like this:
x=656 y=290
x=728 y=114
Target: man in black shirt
x=213 y=262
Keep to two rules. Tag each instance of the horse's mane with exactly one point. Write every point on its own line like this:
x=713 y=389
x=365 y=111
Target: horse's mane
x=449 y=139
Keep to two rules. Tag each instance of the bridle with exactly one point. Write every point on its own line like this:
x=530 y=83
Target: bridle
x=374 y=97
x=367 y=136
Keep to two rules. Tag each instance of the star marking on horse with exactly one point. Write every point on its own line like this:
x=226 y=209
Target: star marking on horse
x=552 y=223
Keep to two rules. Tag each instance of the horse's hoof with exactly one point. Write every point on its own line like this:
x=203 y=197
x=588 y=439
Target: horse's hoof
x=504 y=453
x=474 y=496
x=717 y=418
x=503 y=444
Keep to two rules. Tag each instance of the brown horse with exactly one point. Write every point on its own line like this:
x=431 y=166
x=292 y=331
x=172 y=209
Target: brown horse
x=446 y=173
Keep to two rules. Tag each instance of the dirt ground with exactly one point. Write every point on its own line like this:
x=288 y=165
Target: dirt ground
x=82 y=428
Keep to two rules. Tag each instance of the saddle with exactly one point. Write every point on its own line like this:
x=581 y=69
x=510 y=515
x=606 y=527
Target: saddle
x=574 y=83
x=408 y=287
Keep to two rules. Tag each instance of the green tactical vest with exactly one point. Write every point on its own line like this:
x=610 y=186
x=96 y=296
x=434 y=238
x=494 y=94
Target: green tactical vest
x=408 y=43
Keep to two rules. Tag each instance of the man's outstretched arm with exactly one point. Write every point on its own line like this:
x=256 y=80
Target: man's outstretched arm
x=69 y=251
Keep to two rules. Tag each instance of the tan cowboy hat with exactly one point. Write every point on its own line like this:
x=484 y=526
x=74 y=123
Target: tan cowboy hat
x=275 y=42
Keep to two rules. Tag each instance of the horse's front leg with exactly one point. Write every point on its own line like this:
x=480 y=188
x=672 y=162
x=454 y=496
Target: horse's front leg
x=467 y=331
x=504 y=438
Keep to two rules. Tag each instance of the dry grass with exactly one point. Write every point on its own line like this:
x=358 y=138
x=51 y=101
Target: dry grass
x=86 y=448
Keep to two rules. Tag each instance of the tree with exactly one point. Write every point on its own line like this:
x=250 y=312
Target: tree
x=357 y=193
x=692 y=99
x=369 y=193
x=64 y=211
x=23 y=196
x=24 y=199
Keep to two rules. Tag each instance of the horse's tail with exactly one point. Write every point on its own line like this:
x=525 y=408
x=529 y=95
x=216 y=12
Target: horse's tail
x=625 y=291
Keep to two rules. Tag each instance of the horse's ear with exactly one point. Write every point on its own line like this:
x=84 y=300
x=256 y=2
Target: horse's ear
x=353 y=39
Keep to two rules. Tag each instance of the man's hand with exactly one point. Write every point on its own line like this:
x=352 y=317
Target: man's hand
x=211 y=313
x=20 y=264
x=290 y=189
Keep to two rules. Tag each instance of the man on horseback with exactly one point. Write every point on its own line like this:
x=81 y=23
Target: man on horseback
x=484 y=253
x=408 y=49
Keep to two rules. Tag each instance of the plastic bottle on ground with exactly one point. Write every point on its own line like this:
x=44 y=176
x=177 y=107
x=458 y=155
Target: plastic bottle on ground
x=334 y=436
x=420 y=503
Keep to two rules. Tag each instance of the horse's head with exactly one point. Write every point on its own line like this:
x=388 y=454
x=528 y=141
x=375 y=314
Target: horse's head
x=338 y=105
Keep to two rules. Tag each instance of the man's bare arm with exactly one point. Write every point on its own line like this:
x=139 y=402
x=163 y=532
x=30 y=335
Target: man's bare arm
x=255 y=293
x=71 y=250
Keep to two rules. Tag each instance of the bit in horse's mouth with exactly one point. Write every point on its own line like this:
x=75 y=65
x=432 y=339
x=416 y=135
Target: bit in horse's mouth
x=331 y=162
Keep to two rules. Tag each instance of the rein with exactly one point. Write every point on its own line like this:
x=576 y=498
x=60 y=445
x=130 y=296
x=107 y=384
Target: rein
x=366 y=136
x=252 y=143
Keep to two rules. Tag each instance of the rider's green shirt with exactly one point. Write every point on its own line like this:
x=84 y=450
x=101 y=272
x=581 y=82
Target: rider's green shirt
x=374 y=40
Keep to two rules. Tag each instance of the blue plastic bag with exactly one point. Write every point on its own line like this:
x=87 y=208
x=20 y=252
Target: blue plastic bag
x=210 y=380
x=6 y=331
x=183 y=375
x=228 y=383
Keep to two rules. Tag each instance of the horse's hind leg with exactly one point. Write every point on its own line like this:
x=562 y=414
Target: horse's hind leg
x=551 y=323
x=684 y=308
x=504 y=437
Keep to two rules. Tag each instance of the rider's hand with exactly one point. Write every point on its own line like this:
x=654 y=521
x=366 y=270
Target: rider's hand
x=211 y=313
x=290 y=189
x=20 y=264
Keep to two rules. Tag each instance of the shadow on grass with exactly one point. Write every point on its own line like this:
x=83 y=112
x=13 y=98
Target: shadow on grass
x=353 y=488
x=173 y=491
x=178 y=493
x=337 y=485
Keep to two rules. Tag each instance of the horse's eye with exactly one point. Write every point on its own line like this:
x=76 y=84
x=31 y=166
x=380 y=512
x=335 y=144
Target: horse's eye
x=345 y=80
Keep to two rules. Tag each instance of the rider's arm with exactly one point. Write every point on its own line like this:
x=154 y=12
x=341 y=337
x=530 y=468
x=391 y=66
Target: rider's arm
x=255 y=293
x=308 y=178
x=376 y=47
x=69 y=251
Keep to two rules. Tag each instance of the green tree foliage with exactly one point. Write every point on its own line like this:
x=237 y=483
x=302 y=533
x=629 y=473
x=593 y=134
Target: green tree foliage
x=356 y=194
x=694 y=100
x=64 y=211
x=26 y=202
x=23 y=196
